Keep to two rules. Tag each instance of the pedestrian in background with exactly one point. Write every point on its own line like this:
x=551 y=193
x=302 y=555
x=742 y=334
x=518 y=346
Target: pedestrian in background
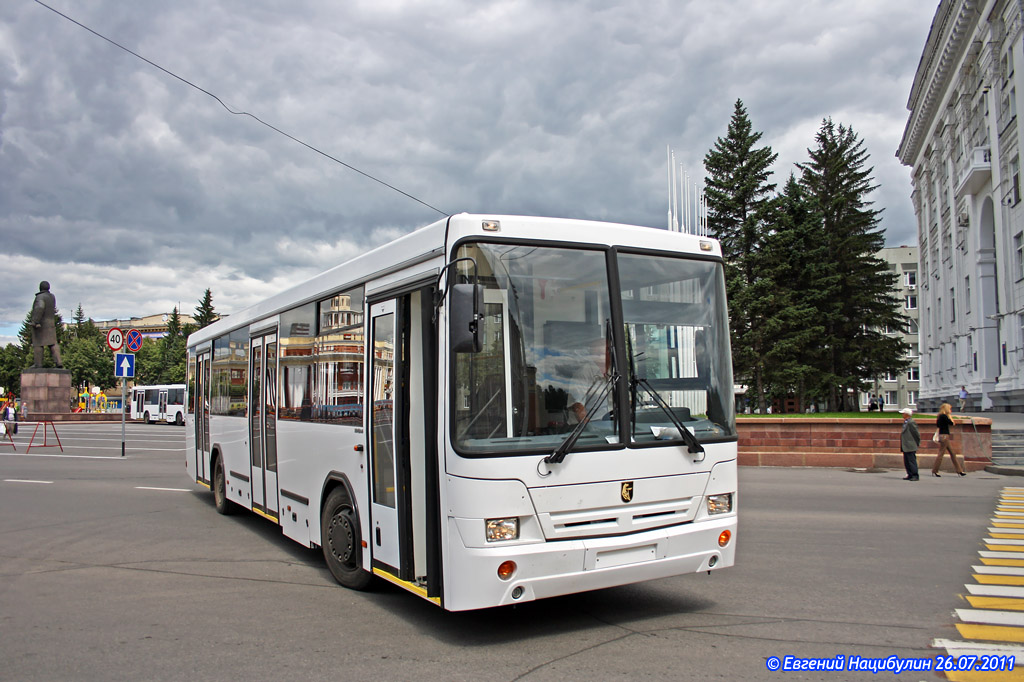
x=963 y=398
x=943 y=423
x=910 y=440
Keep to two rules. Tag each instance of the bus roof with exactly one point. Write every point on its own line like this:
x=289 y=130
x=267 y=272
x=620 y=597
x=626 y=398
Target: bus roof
x=428 y=243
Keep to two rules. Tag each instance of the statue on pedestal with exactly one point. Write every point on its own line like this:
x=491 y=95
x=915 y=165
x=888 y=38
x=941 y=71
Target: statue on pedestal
x=44 y=331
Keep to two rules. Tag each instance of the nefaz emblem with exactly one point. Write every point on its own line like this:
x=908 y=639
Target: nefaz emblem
x=626 y=491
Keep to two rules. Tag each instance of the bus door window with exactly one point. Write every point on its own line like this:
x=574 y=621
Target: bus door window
x=384 y=538
x=263 y=423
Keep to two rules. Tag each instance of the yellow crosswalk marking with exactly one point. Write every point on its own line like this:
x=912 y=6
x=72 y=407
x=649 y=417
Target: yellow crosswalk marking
x=998 y=579
x=984 y=676
x=1002 y=562
x=1007 y=523
x=1000 y=603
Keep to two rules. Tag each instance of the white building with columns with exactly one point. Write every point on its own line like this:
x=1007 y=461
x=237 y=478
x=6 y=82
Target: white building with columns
x=963 y=142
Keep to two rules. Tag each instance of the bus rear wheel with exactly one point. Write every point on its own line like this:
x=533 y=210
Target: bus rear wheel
x=339 y=538
x=220 y=492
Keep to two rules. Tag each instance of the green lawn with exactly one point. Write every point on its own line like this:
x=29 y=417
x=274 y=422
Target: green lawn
x=836 y=415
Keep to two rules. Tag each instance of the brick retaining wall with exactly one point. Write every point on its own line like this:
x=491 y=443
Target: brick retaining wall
x=854 y=442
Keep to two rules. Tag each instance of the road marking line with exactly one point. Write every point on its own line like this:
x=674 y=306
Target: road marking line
x=1000 y=555
x=998 y=547
x=999 y=603
x=1006 y=538
x=23 y=480
x=994 y=633
x=998 y=570
x=991 y=617
x=995 y=590
x=27 y=454
x=170 y=490
x=961 y=648
x=1006 y=524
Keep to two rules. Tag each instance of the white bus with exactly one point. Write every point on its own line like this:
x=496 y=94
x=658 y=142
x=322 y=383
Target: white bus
x=163 y=402
x=487 y=411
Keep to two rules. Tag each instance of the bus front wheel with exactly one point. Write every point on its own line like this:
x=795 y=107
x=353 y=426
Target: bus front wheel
x=339 y=538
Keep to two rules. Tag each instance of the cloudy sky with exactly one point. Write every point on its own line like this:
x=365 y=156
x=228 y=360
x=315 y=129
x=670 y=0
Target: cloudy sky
x=132 y=192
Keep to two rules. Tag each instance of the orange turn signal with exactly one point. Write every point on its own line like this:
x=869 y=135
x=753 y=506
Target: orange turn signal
x=724 y=538
x=506 y=569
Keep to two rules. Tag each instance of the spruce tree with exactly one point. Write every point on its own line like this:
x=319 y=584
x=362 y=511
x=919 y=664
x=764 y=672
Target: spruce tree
x=173 y=351
x=854 y=295
x=789 y=261
x=205 y=314
x=739 y=198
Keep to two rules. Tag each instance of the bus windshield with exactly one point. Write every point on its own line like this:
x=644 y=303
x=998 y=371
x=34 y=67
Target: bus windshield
x=548 y=361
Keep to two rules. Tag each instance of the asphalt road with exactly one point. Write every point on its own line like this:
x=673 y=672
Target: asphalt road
x=119 y=569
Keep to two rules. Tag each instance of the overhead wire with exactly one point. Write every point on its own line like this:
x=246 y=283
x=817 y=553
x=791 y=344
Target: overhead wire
x=239 y=113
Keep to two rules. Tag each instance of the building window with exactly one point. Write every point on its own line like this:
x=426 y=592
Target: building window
x=1015 y=178
x=891 y=376
x=910 y=278
x=1018 y=250
x=1020 y=323
x=952 y=305
x=912 y=397
x=967 y=294
x=914 y=374
x=911 y=302
x=892 y=398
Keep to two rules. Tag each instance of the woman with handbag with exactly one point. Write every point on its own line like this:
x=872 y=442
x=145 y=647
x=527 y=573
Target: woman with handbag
x=943 y=423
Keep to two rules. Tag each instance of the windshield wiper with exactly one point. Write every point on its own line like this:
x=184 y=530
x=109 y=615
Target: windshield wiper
x=610 y=380
x=692 y=444
x=591 y=406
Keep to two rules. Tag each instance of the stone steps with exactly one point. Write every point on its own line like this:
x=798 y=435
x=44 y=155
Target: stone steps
x=1008 y=447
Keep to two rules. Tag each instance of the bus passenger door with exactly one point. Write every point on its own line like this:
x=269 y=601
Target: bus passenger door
x=201 y=402
x=162 y=406
x=404 y=518
x=263 y=424
x=139 y=404
x=384 y=539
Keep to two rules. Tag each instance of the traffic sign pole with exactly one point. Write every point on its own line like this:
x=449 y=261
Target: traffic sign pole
x=124 y=367
x=124 y=392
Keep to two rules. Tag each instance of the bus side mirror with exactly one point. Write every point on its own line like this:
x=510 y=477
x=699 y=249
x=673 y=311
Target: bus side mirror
x=465 y=306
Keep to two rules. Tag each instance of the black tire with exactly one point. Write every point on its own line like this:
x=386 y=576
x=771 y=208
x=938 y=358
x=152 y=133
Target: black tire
x=219 y=486
x=145 y=417
x=340 y=540
x=179 y=419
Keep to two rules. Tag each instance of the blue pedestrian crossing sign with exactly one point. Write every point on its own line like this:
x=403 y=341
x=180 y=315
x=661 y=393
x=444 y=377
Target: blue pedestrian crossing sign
x=124 y=365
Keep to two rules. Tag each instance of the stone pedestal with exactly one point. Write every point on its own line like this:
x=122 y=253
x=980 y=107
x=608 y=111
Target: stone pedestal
x=46 y=390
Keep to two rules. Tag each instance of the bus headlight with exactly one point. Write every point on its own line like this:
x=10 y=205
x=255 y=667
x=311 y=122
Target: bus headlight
x=498 y=530
x=720 y=504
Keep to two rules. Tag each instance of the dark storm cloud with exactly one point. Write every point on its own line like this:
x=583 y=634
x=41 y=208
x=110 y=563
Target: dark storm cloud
x=112 y=171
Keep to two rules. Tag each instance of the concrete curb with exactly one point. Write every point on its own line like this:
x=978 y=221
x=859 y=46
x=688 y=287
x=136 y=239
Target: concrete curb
x=1005 y=470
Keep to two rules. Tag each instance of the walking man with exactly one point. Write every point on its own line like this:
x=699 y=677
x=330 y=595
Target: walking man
x=910 y=440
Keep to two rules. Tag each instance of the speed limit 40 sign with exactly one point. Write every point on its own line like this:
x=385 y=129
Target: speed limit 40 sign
x=115 y=339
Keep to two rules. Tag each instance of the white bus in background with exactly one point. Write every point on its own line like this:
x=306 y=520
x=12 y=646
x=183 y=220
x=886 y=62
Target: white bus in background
x=487 y=411
x=162 y=403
